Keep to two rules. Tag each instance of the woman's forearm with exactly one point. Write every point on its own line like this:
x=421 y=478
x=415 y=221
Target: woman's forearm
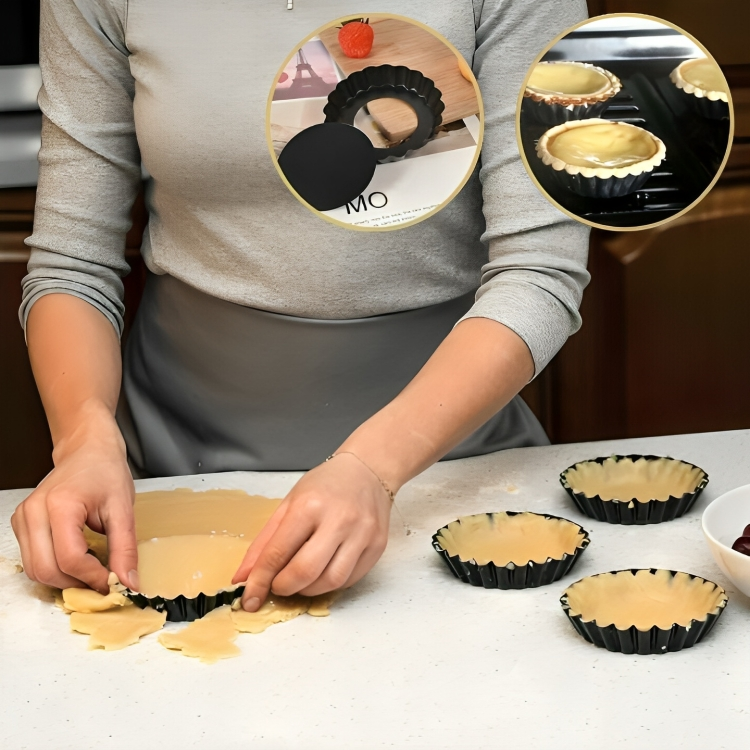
x=75 y=356
x=476 y=371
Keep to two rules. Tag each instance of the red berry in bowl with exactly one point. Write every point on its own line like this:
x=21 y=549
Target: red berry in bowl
x=742 y=545
x=356 y=38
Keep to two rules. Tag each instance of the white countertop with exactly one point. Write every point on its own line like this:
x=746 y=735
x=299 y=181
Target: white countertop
x=411 y=657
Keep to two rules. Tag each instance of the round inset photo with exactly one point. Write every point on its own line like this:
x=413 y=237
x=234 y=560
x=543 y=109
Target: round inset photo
x=375 y=123
x=625 y=122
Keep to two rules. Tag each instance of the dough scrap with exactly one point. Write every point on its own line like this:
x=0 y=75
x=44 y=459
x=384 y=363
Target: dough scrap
x=320 y=606
x=88 y=600
x=117 y=628
x=208 y=639
x=274 y=610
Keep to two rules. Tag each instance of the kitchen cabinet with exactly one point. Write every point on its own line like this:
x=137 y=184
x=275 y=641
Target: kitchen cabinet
x=25 y=445
x=664 y=346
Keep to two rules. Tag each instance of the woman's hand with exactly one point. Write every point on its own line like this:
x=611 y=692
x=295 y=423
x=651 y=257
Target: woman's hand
x=90 y=485
x=326 y=534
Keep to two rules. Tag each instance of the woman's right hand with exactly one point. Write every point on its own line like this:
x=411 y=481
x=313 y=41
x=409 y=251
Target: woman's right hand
x=90 y=485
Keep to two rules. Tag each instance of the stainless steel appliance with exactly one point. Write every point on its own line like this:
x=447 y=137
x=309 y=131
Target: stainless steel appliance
x=20 y=79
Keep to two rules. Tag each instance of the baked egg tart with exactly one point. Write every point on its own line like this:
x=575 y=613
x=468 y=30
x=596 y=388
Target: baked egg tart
x=510 y=550
x=599 y=158
x=643 y=611
x=702 y=80
x=560 y=91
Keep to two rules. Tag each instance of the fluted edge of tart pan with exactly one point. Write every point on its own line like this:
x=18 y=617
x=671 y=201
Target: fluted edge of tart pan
x=643 y=642
x=511 y=576
x=182 y=609
x=633 y=512
x=392 y=82
x=547 y=113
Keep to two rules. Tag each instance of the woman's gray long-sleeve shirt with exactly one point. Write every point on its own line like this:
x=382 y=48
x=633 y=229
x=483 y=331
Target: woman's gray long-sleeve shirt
x=183 y=84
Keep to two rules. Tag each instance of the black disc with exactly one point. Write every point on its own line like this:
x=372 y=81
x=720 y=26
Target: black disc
x=329 y=164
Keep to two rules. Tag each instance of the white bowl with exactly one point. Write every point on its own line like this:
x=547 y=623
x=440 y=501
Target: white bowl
x=723 y=521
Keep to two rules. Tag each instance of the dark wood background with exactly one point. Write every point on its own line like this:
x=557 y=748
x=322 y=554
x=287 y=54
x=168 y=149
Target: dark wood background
x=664 y=347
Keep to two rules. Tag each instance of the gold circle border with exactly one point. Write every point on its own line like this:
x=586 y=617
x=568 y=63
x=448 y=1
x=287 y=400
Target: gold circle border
x=469 y=172
x=564 y=210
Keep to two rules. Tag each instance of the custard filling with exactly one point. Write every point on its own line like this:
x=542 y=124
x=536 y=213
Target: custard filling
x=643 y=600
x=704 y=74
x=642 y=480
x=609 y=144
x=503 y=539
x=567 y=79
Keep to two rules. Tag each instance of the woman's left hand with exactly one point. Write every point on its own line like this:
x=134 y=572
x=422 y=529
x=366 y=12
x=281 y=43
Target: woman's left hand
x=326 y=534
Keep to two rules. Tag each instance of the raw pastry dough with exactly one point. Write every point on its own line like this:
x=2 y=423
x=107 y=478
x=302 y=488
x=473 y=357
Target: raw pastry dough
x=209 y=639
x=642 y=480
x=182 y=512
x=171 y=566
x=644 y=600
x=320 y=606
x=87 y=600
x=503 y=539
x=117 y=628
x=188 y=543
x=274 y=610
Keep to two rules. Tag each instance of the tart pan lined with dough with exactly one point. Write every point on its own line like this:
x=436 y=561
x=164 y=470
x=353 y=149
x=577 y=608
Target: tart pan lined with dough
x=634 y=489
x=600 y=180
x=704 y=84
x=510 y=550
x=188 y=576
x=550 y=106
x=648 y=611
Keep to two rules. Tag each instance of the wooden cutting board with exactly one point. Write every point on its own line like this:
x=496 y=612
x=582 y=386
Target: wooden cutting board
x=401 y=43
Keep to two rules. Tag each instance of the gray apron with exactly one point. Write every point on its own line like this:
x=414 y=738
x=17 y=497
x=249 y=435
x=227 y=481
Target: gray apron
x=210 y=386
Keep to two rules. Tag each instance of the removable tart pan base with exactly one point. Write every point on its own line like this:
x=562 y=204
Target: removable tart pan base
x=182 y=609
x=644 y=642
x=511 y=576
x=632 y=512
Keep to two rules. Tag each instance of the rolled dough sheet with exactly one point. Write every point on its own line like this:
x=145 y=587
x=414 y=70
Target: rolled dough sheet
x=189 y=565
x=117 y=628
x=208 y=639
x=183 y=512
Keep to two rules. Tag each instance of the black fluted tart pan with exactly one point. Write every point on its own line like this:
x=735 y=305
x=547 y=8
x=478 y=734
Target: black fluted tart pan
x=629 y=511
x=510 y=576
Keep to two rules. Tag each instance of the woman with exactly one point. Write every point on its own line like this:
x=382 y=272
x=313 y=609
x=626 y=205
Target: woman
x=267 y=338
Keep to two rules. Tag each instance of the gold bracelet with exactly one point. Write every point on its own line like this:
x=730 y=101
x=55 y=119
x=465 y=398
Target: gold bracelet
x=387 y=489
